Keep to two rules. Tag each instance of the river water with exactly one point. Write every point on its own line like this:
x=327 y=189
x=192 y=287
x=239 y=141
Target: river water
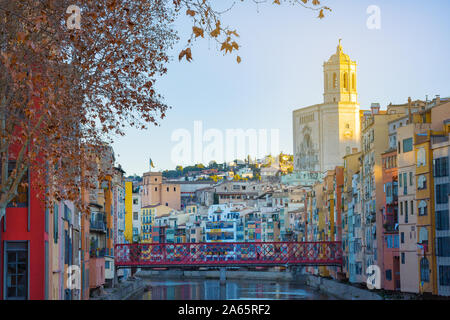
x=190 y=289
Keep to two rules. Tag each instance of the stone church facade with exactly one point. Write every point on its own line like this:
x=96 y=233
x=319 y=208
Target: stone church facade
x=326 y=132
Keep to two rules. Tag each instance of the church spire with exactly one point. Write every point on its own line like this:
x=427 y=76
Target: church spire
x=339 y=47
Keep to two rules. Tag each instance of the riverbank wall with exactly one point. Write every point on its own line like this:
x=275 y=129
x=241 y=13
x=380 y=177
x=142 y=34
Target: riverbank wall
x=338 y=289
x=125 y=290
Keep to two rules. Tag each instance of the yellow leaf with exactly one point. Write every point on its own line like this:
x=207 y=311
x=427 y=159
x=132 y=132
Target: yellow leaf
x=238 y=59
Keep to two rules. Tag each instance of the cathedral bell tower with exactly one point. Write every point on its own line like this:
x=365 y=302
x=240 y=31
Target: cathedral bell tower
x=340 y=78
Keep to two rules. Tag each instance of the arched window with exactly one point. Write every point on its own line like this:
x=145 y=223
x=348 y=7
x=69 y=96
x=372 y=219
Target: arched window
x=424 y=270
x=421 y=157
x=423 y=235
x=353 y=81
x=345 y=81
x=335 y=81
x=422 y=182
x=326 y=81
x=422 y=208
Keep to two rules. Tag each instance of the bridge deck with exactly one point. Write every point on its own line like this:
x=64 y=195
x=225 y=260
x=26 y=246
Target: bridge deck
x=231 y=254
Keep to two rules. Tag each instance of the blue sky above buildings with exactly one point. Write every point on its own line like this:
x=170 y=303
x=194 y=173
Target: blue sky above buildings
x=283 y=49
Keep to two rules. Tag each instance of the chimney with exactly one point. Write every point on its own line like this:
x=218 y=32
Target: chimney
x=438 y=99
x=375 y=107
x=409 y=110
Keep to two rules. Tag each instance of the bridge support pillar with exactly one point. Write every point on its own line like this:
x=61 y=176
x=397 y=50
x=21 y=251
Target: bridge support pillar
x=223 y=276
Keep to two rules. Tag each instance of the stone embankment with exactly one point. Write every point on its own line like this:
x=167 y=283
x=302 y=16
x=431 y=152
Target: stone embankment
x=123 y=291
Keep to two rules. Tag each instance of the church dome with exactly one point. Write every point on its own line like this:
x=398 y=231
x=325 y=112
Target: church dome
x=339 y=56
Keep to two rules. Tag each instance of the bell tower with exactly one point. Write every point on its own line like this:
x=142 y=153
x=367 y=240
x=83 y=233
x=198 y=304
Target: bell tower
x=340 y=78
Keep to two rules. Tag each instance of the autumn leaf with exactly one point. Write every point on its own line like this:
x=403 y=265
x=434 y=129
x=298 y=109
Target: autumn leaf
x=238 y=59
x=321 y=15
x=197 y=31
x=190 y=12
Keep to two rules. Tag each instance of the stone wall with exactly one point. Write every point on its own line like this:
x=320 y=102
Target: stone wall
x=340 y=290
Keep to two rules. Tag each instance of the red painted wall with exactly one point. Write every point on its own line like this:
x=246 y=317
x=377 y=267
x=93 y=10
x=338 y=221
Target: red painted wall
x=16 y=229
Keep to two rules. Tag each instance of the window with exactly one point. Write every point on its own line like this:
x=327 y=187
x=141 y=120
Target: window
x=403 y=257
x=443 y=247
x=174 y=189
x=422 y=208
x=442 y=220
x=156 y=188
x=401 y=208
x=441 y=167
x=396 y=241
x=410 y=178
x=421 y=157
x=424 y=270
x=21 y=200
x=402 y=237
x=55 y=222
x=135 y=201
x=167 y=204
x=353 y=81
x=444 y=275
x=407 y=145
x=335 y=80
x=423 y=235
x=345 y=80
x=442 y=193
x=167 y=189
x=16 y=273
x=412 y=207
x=135 y=216
x=389 y=275
x=107 y=264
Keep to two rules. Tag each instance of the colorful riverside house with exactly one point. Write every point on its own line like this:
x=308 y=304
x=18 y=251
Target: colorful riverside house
x=129 y=211
x=253 y=230
x=24 y=247
x=374 y=141
x=429 y=195
x=118 y=192
x=147 y=217
x=351 y=219
x=390 y=267
x=441 y=169
x=426 y=218
x=338 y=185
x=407 y=210
x=108 y=207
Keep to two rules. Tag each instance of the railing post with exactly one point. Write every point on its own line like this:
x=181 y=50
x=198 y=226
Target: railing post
x=223 y=275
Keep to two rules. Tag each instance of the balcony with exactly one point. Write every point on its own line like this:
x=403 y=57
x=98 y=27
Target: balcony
x=98 y=222
x=219 y=225
x=97 y=252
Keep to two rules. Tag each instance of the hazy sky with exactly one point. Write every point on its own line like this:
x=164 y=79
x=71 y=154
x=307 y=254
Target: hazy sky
x=283 y=49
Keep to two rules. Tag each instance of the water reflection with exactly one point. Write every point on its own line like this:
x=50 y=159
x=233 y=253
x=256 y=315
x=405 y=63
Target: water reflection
x=231 y=290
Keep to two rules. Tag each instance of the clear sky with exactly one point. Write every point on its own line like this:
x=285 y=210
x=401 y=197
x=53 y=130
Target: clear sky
x=283 y=49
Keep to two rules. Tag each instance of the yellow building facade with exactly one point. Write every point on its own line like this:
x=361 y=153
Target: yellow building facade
x=129 y=211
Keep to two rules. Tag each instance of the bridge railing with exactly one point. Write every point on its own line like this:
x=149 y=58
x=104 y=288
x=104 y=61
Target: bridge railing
x=230 y=253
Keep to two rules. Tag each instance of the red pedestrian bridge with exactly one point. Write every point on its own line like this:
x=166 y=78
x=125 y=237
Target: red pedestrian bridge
x=231 y=254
